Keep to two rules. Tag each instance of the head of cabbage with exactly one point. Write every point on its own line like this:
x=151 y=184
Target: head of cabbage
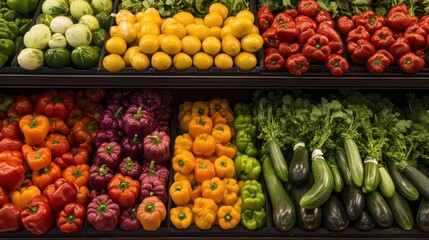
x=79 y=8
x=102 y=6
x=37 y=37
x=56 y=7
x=90 y=21
x=31 y=58
x=78 y=35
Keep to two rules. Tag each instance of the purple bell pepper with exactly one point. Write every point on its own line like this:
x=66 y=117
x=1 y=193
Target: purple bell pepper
x=160 y=171
x=112 y=117
x=128 y=219
x=130 y=168
x=95 y=193
x=163 y=113
x=162 y=125
x=156 y=147
x=132 y=147
x=121 y=97
x=109 y=153
x=152 y=185
x=106 y=135
x=138 y=121
x=147 y=99
x=99 y=176
x=103 y=213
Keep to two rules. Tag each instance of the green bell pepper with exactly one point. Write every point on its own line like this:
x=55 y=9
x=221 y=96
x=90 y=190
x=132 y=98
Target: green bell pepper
x=252 y=196
x=252 y=220
x=247 y=167
x=23 y=26
x=5 y=103
x=11 y=15
x=245 y=143
x=23 y=6
x=242 y=109
x=242 y=122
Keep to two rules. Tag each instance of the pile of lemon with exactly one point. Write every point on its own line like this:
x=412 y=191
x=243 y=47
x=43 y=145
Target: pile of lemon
x=218 y=40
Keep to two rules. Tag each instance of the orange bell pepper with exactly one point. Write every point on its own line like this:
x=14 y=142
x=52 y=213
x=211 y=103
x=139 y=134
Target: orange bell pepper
x=57 y=125
x=34 y=128
x=221 y=133
x=46 y=175
x=200 y=125
x=180 y=192
x=14 y=156
x=85 y=129
x=184 y=162
x=218 y=104
x=232 y=191
x=204 y=170
x=184 y=116
x=213 y=189
x=183 y=142
x=82 y=196
x=57 y=143
x=78 y=175
x=204 y=210
x=189 y=177
x=211 y=158
x=204 y=145
x=196 y=192
x=225 y=167
x=229 y=150
x=181 y=217
x=151 y=212
x=237 y=204
x=22 y=197
x=217 y=118
x=38 y=158
x=228 y=217
x=75 y=115
x=200 y=108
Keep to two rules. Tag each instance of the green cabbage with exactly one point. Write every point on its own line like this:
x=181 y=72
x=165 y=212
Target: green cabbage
x=58 y=41
x=37 y=37
x=57 y=57
x=102 y=6
x=98 y=37
x=104 y=19
x=55 y=7
x=30 y=58
x=90 y=21
x=79 y=8
x=78 y=35
x=44 y=18
x=85 y=57
x=60 y=24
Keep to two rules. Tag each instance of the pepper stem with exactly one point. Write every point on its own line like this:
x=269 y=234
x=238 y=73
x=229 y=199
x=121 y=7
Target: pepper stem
x=155 y=140
x=102 y=208
x=33 y=210
x=102 y=170
x=152 y=168
x=109 y=149
x=123 y=185
x=118 y=113
x=213 y=186
x=70 y=218
x=182 y=216
x=138 y=114
x=133 y=213
x=135 y=139
x=227 y=217
x=33 y=123
x=77 y=173
x=129 y=164
x=150 y=207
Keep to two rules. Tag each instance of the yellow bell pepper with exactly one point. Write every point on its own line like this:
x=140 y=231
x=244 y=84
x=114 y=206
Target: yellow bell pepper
x=184 y=116
x=200 y=108
x=218 y=104
x=184 y=162
x=232 y=190
x=228 y=217
x=180 y=192
x=190 y=177
x=222 y=133
x=237 y=204
x=205 y=213
x=213 y=189
x=196 y=192
x=181 y=217
x=183 y=142
x=23 y=196
x=225 y=167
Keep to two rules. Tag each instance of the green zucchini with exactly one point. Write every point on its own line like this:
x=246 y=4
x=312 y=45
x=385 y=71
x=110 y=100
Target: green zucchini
x=354 y=161
x=353 y=201
x=402 y=184
x=283 y=211
x=307 y=219
x=371 y=175
x=386 y=185
x=278 y=161
x=365 y=222
x=323 y=183
x=379 y=209
x=338 y=180
x=341 y=160
x=422 y=218
x=299 y=168
x=334 y=215
x=417 y=178
x=401 y=211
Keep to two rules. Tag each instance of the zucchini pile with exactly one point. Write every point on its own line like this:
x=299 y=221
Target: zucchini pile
x=347 y=160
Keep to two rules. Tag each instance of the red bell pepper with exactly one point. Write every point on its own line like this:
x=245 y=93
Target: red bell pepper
x=399 y=48
x=398 y=20
x=370 y=21
x=304 y=24
x=265 y=18
x=55 y=103
x=424 y=23
x=410 y=63
x=281 y=19
x=71 y=218
x=4 y=197
x=12 y=174
x=398 y=8
x=292 y=12
x=58 y=144
x=37 y=217
x=358 y=33
x=287 y=49
x=95 y=95
x=24 y=105
x=10 y=217
x=336 y=65
x=273 y=60
x=423 y=53
x=317 y=48
x=287 y=32
x=387 y=54
x=323 y=16
x=75 y=115
x=60 y=194
x=303 y=18
x=123 y=190
x=57 y=125
x=304 y=36
x=383 y=38
x=345 y=25
x=270 y=38
x=415 y=36
x=297 y=64
x=10 y=144
x=308 y=7
x=377 y=63
x=10 y=128
x=334 y=38
x=360 y=51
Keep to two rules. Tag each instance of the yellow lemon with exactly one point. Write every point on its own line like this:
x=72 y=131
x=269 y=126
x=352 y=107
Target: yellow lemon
x=139 y=61
x=231 y=45
x=219 y=8
x=202 y=61
x=247 y=14
x=171 y=44
x=229 y=20
x=211 y=45
x=149 y=44
x=161 y=61
x=255 y=29
x=182 y=61
x=175 y=28
x=223 y=61
x=113 y=63
x=166 y=22
x=116 y=45
x=241 y=26
x=151 y=17
x=252 y=42
x=113 y=31
x=201 y=31
x=191 y=45
x=245 y=61
x=127 y=31
x=130 y=51
x=215 y=31
x=184 y=18
x=124 y=15
x=161 y=36
x=199 y=21
x=148 y=28
x=152 y=10
x=213 y=19
x=226 y=30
